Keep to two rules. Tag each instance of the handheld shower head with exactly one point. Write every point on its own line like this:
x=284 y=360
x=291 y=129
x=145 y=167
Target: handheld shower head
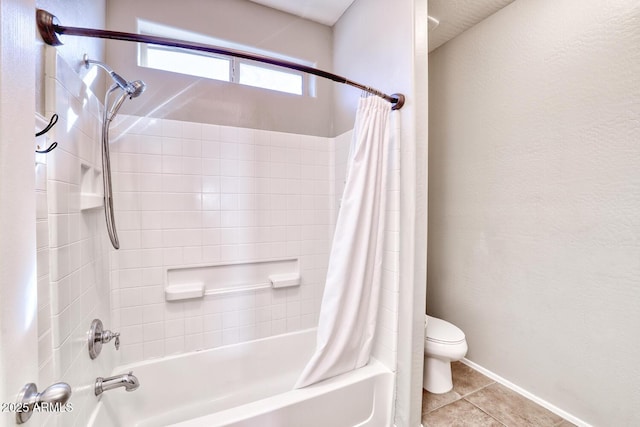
x=131 y=89
x=135 y=88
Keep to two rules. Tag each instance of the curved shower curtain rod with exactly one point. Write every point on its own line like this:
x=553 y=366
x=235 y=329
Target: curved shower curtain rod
x=49 y=28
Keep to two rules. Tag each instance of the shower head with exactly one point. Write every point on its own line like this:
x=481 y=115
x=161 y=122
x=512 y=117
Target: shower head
x=133 y=89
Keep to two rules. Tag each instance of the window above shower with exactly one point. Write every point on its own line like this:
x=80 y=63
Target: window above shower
x=221 y=67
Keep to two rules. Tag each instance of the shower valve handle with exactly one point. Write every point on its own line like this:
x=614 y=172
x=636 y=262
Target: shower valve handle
x=107 y=336
x=98 y=336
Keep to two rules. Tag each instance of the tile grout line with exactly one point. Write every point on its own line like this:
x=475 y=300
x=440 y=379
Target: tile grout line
x=478 y=389
x=488 y=414
x=443 y=405
x=460 y=397
x=481 y=409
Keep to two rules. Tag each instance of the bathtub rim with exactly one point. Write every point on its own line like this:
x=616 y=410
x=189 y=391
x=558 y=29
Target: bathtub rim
x=130 y=366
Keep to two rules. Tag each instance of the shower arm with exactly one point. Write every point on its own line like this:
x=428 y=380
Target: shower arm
x=49 y=28
x=120 y=81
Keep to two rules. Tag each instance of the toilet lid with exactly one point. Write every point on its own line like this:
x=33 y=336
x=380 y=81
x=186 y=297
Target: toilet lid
x=443 y=332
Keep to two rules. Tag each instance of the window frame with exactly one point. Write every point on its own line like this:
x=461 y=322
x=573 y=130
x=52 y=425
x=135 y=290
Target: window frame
x=308 y=82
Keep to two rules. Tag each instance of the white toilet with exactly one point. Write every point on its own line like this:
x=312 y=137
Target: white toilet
x=443 y=343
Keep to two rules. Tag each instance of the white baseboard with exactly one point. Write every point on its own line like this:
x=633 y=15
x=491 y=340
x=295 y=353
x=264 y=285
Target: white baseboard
x=497 y=378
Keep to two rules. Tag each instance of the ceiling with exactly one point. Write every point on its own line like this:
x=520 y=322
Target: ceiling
x=454 y=16
x=326 y=12
x=457 y=16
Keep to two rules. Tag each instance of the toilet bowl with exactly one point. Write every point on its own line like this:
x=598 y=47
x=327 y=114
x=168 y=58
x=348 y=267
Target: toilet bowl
x=443 y=343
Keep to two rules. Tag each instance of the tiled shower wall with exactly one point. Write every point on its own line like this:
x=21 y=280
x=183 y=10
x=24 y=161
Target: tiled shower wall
x=73 y=281
x=190 y=194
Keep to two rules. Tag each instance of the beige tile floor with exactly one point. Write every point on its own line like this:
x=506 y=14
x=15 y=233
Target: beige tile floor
x=479 y=401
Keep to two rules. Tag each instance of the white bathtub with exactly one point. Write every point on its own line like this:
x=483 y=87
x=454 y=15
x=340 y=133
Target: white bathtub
x=247 y=385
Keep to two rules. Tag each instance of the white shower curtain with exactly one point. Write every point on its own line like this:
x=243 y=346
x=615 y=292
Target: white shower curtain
x=350 y=302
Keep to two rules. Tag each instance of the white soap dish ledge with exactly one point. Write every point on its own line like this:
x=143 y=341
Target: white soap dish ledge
x=197 y=281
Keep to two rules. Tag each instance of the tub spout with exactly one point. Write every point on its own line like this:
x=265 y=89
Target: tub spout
x=128 y=381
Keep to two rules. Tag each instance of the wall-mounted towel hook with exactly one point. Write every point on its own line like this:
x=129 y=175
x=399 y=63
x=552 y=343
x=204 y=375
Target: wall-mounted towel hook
x=52 y=122
x=48 y=149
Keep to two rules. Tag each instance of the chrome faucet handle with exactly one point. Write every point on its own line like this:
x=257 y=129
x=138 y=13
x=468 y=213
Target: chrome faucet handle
x=107 y=336
x=54 y=396
x=98 y=336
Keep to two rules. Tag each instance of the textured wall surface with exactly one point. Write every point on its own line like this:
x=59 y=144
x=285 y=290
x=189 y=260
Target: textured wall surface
x=457 y=16
x=534 y=200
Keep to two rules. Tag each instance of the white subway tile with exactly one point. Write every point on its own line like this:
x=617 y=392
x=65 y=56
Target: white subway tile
x=171 y=164
x=247 y=333
x=150 y=238
x=230 y=336
x=228 y=184
x=149 y=144
x=193 y=325
x=193 y=342
x=192 y=130
x=211 y=184
x=210 y=166
x=153 y=295
x=151 y=220
x=130 y=297
x=151 y=276
x=212 y=339
x=131 y=352
x=131 y=334
x=210 y=132
x=293 y=324
x=192 y=165
x=153 y=349
x=211 y=149
x=229 y=134
x=153 y=331
x=130 y=278
x=130 y=316
x=229 y=168
x=174 y=327
x=246 y=136
x=278 y=326
x=211 y=201
x=211 y=254
x=150 y=163
x=172 y=128
x=172 y=256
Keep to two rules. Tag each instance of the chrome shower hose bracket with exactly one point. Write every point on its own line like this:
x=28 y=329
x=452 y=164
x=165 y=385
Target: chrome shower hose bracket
x=98 y=336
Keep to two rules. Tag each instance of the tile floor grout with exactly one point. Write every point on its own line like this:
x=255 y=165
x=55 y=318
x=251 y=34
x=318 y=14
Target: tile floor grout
x=488 y=414
x=477 y=400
